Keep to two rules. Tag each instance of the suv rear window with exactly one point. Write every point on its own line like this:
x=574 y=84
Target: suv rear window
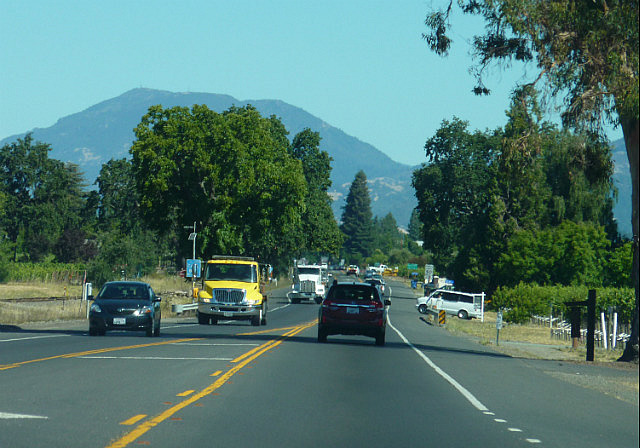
x=353 y=292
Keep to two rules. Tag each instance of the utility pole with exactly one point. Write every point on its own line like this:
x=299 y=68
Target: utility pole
x=192 y=237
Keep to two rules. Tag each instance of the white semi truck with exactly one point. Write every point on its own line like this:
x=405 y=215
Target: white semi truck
x=307 y=284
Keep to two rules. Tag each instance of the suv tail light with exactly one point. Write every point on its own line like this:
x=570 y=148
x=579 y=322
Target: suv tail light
x=326 y=303
x=377 y=304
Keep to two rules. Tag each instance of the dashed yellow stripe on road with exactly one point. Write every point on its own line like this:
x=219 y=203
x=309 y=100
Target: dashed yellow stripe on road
x=155 y=421
x=133 y=420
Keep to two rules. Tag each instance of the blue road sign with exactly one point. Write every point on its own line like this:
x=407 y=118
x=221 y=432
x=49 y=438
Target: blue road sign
x=194 y=267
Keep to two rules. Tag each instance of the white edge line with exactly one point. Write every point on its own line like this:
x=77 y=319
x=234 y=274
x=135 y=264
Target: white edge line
x=6 y=415
x=34 y=337
x=465 y=393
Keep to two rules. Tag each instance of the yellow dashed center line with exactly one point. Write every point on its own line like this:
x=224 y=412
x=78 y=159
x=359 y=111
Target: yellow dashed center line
x=241 y=362
x=133 y=420
x=185 y=393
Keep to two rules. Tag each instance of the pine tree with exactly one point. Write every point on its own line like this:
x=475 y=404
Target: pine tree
x=357 y=223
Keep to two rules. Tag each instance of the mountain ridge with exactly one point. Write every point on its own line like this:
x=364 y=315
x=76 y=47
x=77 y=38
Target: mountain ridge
x=104 y=131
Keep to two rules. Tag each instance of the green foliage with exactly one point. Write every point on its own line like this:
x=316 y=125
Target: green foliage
x=617 y=270
x=319 y=231
x=525 y=300
x=230 y=173
x=570 y=254
x=118 y=197
x=44 y=272
x=415 y=226
x=40 y=196
x=585 y=50
x=490 y=202
x=357 y=223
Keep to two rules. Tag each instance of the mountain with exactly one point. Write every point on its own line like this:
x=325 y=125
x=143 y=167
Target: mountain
x=104 y=131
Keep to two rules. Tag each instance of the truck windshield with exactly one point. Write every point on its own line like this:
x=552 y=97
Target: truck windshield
x=231 y=272
x=309 y=271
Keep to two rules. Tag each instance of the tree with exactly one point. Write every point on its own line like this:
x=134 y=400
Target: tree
x=357 y=223
x=586 y=51
x=118 y=197
x=319 y=231
x=43 y=196
x=415 y=225
x=482 y=188
x=231 y=173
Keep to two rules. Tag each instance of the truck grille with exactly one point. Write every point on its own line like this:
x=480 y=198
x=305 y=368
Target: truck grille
x=229 y=295
x=307 y=286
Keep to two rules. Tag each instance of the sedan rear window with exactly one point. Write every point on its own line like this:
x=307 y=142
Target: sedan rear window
x=125 y=292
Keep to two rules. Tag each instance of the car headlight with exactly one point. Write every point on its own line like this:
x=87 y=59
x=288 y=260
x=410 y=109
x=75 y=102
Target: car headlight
x=142 y=311
x=95 y=308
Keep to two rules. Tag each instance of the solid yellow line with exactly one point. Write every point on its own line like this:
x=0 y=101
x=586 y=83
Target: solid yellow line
x=270 y=330
x=93 y=352
x=133 y=420
x=185 y=393
x=250 y=352
x=149 y=424
x=216 y=373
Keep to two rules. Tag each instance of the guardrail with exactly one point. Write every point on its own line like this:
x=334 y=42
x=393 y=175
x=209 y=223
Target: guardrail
x=181 y=308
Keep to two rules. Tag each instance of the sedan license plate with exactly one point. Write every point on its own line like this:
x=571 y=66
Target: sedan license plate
x=119 y=321
x=353 y=310
x=228 y=314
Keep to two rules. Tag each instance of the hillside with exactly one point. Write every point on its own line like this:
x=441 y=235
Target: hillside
x=105 y=131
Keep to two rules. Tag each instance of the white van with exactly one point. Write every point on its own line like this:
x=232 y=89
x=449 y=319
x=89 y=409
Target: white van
x=462 y=304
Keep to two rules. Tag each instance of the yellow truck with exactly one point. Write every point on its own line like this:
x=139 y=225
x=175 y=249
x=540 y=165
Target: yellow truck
x=232 y=289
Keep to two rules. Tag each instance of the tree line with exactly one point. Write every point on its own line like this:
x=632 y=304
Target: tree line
x=249 y=190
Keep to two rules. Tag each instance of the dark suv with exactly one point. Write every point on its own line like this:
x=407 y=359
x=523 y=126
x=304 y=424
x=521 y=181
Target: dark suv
x=355 y=309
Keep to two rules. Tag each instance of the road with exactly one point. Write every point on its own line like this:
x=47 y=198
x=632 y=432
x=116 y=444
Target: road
x=241 y=386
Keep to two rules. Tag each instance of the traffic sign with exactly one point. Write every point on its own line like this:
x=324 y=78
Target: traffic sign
x=194 y=267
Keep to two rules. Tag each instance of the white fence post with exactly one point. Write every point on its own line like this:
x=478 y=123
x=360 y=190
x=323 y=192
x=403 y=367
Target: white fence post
x=604 y=330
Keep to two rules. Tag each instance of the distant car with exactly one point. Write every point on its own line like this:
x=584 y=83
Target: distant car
x=125 y=305
x=353 y=270
x=378 y=283
x=353 y=308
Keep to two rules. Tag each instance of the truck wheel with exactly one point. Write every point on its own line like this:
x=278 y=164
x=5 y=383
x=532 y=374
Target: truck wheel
x=255 y=321
x=203 y=319
x=263 y=321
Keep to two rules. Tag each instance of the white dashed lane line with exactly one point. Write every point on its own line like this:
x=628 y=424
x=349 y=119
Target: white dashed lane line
x=465 y=393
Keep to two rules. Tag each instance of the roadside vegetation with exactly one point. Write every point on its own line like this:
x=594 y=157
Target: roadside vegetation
x=522 y=212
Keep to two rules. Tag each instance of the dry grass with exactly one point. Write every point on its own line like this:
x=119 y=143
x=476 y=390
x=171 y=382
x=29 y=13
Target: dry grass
x=527 y=340
x=69 y=306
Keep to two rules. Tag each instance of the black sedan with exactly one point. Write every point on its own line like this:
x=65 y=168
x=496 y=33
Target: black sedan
x=125 y=305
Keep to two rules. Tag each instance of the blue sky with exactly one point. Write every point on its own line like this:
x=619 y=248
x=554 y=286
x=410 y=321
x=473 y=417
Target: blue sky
x=360 y=65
